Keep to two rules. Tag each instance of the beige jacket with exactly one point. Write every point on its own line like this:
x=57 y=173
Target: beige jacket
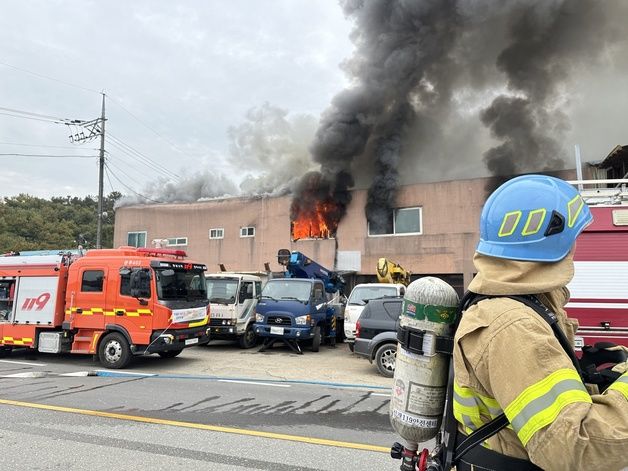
x=506 y=358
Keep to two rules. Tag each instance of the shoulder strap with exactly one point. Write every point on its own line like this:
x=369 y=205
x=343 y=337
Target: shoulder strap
x=491 y=428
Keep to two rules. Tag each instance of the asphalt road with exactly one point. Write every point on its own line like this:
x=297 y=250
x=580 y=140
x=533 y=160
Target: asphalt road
x=217 y=407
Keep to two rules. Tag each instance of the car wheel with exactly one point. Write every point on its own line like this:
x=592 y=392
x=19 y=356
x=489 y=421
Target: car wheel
x=249 y=338
x=316 y=340
x=114 y=351
x=169 y=353
x=385 y=359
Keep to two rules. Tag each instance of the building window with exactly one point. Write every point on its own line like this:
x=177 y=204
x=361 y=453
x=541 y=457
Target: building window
x=136 y=239
x=177 y=241
x=247 y=232
x=401 y=221
x=217 y=233
x=92 y=281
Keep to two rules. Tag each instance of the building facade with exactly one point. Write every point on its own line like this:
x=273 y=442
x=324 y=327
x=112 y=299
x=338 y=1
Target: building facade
x=434 y=232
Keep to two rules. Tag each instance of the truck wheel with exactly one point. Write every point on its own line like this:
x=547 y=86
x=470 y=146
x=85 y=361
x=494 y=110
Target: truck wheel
x=114 y=351
x=316 y=340
x=385 y=359
x=249 y=338
x=5 y=351
x=169 y=353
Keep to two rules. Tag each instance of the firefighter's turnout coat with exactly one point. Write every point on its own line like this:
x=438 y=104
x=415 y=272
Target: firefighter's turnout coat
x=506 y=358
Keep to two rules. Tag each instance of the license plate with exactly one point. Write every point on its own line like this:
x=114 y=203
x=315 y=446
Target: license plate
x=276 y=330
x=191 y=341
x=578 y=342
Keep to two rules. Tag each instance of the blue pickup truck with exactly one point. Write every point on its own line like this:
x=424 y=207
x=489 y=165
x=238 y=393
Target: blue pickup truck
x=301 y=306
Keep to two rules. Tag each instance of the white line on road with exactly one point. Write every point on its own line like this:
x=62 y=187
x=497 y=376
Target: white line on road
x=30 y=374
x=253 y=382
x=23 y=363
x=380 y=394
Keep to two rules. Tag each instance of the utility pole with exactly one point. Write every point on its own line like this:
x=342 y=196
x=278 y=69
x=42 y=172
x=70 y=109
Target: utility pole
x=101 y=169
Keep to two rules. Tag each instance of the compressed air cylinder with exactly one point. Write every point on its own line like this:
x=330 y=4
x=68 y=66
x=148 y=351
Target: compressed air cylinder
x=420 y=382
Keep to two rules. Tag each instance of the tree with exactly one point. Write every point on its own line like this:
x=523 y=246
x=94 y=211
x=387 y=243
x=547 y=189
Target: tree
x=32 y=223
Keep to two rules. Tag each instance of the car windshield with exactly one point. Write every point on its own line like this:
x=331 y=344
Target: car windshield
x=278 y=289
x=221 y=291
x=363 y=294
x=175 y=283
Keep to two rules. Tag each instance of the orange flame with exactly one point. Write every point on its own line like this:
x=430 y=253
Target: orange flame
x=315 y=222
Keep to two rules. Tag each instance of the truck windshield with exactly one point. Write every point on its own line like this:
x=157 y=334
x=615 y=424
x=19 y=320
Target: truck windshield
x=277 y=289
x=173 y=283
x=363 y=294
x=221 y=291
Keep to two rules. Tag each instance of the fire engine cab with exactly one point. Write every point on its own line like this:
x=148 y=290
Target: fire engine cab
x=113 y=303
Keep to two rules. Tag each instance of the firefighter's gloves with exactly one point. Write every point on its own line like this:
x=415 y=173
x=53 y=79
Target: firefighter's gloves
x=620 y=367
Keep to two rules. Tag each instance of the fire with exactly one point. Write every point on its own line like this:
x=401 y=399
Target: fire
x=317 y=222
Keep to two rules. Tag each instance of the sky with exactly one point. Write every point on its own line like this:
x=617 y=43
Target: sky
x=220 y=97
x=177 y=76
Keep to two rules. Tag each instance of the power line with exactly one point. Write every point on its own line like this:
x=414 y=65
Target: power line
x=38 y=145
x=138 y=159
x=127 y=148
x=148 y=127
x=30 y=113
x=127 y=187
x=51 y=156
x=49 y=78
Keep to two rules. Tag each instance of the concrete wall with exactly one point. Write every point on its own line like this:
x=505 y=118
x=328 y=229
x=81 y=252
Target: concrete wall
x=450 y=220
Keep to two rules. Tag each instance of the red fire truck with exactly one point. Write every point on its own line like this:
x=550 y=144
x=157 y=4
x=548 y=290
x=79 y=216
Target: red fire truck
x=599 y=289
x=114 y=303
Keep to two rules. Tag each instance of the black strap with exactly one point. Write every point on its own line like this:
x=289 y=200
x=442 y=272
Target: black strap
x=412 y=340
x=456 y=447
x=481 y=458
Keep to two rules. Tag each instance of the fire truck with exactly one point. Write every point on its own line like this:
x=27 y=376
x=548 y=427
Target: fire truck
x=112 y=303
x=599 y=289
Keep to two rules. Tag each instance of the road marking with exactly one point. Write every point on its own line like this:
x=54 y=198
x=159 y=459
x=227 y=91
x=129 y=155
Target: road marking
x=192 y=425
x=253 y=382
x=23 y=363
x=380 y=394
x=29 y=374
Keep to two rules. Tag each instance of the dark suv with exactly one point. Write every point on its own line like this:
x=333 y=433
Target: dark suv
x=376 y=333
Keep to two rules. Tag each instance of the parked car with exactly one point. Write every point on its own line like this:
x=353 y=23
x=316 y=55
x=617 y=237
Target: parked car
x=376 y=333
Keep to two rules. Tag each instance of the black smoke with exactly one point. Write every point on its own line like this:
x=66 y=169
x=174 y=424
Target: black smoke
x=415 y=59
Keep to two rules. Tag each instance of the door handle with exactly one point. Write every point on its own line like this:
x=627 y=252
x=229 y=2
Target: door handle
x=79 y=310
x=119 y=312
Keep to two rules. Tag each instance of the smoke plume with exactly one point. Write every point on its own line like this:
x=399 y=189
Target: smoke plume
x=426 y=75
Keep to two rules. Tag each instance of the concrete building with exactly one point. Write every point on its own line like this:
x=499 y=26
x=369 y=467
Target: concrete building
x=434 y=229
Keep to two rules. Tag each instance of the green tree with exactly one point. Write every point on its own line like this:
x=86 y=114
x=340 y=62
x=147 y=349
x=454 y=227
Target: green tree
x=32 y=223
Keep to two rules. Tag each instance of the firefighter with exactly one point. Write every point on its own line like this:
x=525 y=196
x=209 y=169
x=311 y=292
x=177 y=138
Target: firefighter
x=507 y=358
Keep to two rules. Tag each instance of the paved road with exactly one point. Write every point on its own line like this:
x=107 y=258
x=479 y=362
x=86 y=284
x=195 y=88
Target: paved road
x=216 y=405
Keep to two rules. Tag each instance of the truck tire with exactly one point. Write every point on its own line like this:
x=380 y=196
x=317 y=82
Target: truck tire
x=114 y=351
x=249 y=338
x=316 y=340
x=385 y=359
x=169 y=353
x=5 y=351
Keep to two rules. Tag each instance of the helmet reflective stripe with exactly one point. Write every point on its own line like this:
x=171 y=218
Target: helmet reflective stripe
x=554 y=215
x=511 y=220
x=574 y=207
x=534 y=222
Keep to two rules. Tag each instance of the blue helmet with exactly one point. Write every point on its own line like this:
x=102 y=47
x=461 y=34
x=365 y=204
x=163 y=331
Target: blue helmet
x=532 y=218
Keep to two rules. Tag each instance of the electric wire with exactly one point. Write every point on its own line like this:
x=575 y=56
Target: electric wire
x=136 y=158
x=127 y=187
x=30 y=113
x=49 y=78
x=39 y=145
x=128 y=149
x=117 y=102
x=52 y=156
x=114 y=157
x=121 y=170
